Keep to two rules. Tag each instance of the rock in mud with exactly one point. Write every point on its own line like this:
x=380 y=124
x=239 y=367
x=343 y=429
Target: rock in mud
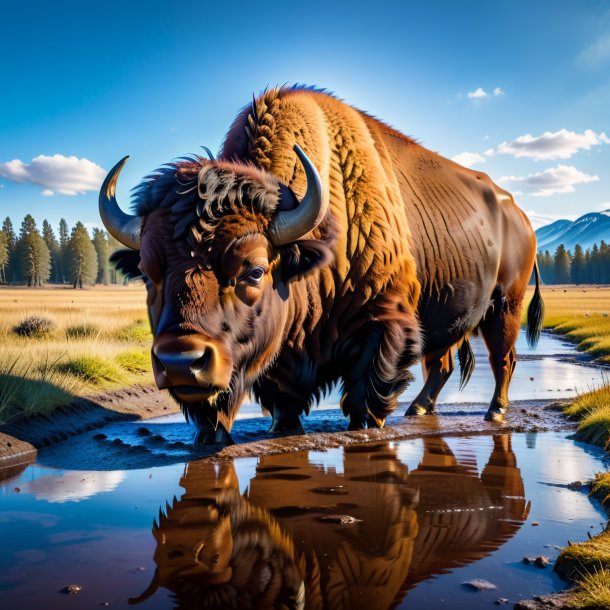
x=142 y=431
x=501 y=601
x=478 y=584
x=575 y=485
x=72 y=589
x=542 y=561
x=100 y=436
x=559 y=601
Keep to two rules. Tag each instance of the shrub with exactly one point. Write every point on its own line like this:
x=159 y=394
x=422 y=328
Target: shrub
x=34 y=327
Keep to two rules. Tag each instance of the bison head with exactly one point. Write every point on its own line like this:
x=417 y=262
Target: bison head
x=217 y=244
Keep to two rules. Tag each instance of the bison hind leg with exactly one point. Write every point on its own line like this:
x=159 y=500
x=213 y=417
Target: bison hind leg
x=285 y=409
x=438 y=366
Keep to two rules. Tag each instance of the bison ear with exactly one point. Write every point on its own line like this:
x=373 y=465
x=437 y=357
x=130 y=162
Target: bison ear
x=301 y=257
x=127 y=262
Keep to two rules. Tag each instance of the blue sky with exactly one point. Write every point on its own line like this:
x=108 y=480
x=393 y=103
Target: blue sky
x=524 y=87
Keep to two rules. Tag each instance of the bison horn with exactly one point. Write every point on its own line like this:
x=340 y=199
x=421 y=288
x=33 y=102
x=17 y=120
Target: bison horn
x=289 y=225
x=123 y=227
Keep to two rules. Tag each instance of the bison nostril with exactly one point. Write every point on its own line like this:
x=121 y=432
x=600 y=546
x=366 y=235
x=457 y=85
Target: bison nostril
x=202 y=363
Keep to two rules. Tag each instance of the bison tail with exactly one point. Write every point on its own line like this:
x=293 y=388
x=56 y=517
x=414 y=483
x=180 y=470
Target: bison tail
x=535 y=312
x=466 y=360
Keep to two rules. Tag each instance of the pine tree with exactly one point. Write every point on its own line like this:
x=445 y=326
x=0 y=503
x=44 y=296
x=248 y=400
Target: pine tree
x=546 y=268
x=63 y=257
x=4 y=256
x=32 y=254
x=83 y=258
x=53 y=245
x=11 y=271
x=561 y=266
x=578 y=266
x=100 y=242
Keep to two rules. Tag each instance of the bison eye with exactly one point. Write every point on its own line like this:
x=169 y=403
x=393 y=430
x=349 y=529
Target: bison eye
x=253 y=276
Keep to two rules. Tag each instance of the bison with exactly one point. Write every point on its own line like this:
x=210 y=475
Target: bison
x=322 y=246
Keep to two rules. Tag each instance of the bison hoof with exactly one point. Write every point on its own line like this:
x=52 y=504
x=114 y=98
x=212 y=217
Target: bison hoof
x=211 y=436
x=286 y=427
x=495 y=415
x=357 y=423
x=416 y=409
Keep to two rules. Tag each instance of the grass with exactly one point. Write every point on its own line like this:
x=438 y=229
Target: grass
x=98 y=340
x=594 y=590
x=582 y=315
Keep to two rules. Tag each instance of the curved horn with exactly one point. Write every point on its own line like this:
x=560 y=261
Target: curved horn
x=123 y=227
x=150 y=590
x=289 y=225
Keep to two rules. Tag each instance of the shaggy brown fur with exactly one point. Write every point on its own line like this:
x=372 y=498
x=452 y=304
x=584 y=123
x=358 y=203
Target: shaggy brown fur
x=414 y=253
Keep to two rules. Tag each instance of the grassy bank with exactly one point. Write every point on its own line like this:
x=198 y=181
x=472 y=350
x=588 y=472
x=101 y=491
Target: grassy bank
x=582 y=315
x=58 y=343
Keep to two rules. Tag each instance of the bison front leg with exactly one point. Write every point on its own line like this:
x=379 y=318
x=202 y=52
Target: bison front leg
x=375 y=373
x=284 y=408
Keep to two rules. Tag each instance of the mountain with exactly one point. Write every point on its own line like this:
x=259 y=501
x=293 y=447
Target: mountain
x=587 y=230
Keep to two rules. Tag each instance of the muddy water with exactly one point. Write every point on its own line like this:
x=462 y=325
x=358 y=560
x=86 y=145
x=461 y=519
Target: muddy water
x=399 y=524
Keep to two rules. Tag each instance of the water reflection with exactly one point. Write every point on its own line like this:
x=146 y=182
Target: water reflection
x=306 y=536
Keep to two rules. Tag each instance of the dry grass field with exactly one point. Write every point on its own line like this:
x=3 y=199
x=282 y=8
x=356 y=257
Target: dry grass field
x=581 y=313
x=57 y=342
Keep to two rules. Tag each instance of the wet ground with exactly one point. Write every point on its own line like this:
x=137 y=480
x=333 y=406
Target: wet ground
x=401 y=522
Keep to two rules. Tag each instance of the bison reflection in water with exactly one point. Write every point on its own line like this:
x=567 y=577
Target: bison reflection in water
x=306 y=536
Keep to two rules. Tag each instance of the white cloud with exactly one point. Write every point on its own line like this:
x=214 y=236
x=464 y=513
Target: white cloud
x=47 y=193
x=490 y=152
x=540 y=220
x=468 y=159
x=56 y=174
x=560 y=179
x=604 y=207
x=477 y=94
x=498 y=91
x=560 y=144
x=596 y=54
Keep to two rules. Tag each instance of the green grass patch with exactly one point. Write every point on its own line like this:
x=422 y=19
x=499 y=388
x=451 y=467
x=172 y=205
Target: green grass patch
x=594 y=590
x=134 y=361
x=82 y=331
x=592 y=409
x=92 y=369
x=578 y=560
x=600 y=488
x=137 y=331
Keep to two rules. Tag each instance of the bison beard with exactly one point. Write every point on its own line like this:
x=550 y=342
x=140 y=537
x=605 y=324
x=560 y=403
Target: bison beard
x=393 y=253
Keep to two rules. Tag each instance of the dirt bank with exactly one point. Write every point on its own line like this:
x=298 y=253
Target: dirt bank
x=20 y=441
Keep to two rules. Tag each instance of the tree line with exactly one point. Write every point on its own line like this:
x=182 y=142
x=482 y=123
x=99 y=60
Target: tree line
x=71 y=256
x=591 y=266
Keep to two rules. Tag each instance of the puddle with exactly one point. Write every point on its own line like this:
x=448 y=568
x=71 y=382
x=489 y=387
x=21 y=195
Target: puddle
x=386 y=525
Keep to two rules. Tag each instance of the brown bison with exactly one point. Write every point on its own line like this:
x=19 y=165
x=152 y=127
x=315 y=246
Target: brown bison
x=322 y=246
x=310 y=537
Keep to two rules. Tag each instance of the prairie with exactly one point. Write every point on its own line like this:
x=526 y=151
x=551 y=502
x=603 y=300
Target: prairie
x=57 y=343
